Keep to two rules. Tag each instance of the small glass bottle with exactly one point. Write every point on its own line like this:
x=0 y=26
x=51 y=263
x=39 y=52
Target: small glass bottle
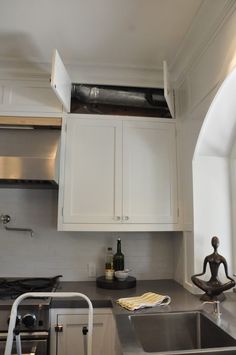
x=109 y=271
x=118 y=259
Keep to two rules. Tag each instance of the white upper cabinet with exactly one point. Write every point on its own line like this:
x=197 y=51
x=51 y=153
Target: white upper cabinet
x=60 y=81
x=92 y=186
x=149 y=172
x=118 y=174
x=35 y=97
x=168 y=90
x=28 y=98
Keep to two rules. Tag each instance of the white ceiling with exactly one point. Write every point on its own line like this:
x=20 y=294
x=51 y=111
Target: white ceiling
x=123 y=33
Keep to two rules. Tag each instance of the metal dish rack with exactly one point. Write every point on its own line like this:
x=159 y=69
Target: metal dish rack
x=13 y=332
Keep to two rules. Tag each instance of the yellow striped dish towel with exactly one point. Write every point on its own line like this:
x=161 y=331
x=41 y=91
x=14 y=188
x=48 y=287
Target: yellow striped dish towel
x=149 y=299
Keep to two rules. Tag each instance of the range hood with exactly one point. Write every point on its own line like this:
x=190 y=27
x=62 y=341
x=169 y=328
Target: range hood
x=29 y=152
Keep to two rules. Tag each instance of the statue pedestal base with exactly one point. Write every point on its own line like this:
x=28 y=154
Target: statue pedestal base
x=207 y=298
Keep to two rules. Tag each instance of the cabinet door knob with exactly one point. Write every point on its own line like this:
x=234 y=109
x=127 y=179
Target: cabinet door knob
x=85 y=330
x=125 y=218
x=117 y=218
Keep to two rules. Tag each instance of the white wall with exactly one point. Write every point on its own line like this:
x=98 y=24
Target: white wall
x=48 y=253
x=212 y=208
x=202 y=74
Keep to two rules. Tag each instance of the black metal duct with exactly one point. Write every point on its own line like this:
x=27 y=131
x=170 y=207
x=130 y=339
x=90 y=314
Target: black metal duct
x=101 y=97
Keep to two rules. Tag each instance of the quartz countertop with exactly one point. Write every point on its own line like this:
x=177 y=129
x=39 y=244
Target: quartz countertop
x=107 y=298
x=181 y=300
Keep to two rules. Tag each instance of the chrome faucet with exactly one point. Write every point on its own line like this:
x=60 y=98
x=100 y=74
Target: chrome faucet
x=216 y=307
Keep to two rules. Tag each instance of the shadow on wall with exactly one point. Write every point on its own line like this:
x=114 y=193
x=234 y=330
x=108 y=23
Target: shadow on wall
x=19 y=48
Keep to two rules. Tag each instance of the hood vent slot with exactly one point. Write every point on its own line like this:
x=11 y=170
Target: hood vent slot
x=29 y=155
x=28 y=184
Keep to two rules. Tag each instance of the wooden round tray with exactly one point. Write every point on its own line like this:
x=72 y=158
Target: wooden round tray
x=115 y=284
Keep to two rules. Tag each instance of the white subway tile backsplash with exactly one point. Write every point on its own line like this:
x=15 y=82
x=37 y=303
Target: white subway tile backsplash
x=49 y=252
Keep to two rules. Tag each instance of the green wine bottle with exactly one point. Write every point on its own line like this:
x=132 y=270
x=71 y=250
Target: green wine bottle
x=118 y=259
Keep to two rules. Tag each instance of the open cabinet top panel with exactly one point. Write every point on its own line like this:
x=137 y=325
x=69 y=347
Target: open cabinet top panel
x=111 y=100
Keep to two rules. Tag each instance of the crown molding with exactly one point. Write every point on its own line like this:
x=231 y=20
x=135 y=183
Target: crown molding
x=205 y=27
x=117 y=75
x=90 y=73
x=20 y=70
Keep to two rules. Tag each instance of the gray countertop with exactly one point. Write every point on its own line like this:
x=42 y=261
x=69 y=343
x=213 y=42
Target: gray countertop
x=181 y=300
x=106 y=298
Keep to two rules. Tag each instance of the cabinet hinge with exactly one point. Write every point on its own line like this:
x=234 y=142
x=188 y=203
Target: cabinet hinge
x=178 y=212
x=59 y=328
x=65 y=127
x=62 y=211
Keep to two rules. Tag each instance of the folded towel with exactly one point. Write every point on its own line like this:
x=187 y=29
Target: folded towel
x=149 y=299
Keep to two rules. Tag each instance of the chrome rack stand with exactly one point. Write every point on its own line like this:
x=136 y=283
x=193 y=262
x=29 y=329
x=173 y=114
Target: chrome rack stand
x=12 y=323
x=5 y=219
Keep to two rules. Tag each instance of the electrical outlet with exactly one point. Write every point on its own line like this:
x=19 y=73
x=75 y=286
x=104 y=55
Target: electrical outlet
x=91 y=270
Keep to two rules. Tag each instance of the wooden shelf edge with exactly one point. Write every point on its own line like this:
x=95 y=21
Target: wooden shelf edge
x=31 y=121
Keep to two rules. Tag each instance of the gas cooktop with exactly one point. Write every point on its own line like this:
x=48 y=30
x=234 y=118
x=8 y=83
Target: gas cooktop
x=13 y=287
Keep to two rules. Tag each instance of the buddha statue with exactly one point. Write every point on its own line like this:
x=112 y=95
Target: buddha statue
x=213 y=288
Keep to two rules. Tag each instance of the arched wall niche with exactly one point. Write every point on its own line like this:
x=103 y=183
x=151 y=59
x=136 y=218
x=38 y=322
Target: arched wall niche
x=214 y=178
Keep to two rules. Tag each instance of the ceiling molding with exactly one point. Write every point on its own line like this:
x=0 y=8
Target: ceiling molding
x=195 y=43
x=19 y=70
x=107 y=74
x=117 y=75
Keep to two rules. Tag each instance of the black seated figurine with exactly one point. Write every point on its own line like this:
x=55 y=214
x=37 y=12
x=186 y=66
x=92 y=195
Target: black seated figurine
x=213 y=288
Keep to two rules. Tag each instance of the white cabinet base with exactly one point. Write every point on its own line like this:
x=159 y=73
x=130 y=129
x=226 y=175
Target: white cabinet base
x=70 y=341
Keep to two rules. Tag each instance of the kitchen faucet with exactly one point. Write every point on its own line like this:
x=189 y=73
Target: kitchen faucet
x=216 y=307
x=5 y=219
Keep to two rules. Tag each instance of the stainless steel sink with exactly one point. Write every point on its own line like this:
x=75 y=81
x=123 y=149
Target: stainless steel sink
x=180 y=332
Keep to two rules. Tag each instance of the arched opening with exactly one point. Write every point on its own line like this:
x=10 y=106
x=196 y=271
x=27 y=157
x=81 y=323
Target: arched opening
x=214 y=177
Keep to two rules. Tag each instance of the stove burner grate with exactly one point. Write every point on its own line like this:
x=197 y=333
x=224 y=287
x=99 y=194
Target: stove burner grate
x=12 y=288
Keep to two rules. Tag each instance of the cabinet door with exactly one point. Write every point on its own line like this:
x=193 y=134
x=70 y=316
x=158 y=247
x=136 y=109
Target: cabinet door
x=60 y=81
x=168 y=90
x=71 y=340
x=93 y=173
x=149 y=172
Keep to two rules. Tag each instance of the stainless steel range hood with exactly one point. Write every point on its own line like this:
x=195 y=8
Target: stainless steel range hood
x=29 y=153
